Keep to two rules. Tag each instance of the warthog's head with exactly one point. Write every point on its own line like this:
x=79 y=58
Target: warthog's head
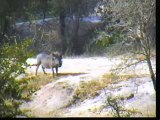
x=58 y=56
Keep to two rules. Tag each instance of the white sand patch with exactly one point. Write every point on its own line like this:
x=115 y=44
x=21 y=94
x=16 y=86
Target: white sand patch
x=52 y=96
x=143 y=100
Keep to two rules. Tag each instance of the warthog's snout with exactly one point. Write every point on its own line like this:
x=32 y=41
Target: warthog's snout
x=60 y=63
x=59 y=58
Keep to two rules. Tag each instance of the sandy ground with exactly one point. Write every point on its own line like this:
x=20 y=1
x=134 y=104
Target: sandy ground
x=54 y=97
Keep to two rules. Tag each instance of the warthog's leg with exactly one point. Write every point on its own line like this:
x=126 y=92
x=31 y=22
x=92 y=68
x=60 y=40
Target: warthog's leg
x=37 y=69
x=43 y=70
x=53 y=71
x=57 y=70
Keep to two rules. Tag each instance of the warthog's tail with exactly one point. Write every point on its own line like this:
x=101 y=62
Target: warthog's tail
x=29 y=65
x=32 y=64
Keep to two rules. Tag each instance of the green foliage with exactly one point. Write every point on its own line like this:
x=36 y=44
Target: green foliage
x=118 y=36
x=12 y=59
x=104 y=41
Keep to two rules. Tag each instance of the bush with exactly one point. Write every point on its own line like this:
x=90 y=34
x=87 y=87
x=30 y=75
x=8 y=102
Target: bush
x=12 y=59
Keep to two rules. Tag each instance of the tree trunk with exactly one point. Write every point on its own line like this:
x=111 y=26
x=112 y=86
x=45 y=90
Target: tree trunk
x=44 y=9
x=62 y=31
x=151 y=72
x=6 y=25
x=76 y=47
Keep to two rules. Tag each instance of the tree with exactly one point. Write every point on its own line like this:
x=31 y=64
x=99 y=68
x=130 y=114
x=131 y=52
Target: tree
x=73 y=10
x=146 y=19
x=10 y=12
x=78 y=10
x=136 y=22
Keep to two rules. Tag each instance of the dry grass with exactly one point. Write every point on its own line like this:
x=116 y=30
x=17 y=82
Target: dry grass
x=148 y=111
x=114 y=78
x=90 y=88
x=32 y=83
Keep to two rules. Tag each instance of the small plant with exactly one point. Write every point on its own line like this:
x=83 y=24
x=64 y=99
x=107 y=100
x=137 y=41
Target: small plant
x=117 y=107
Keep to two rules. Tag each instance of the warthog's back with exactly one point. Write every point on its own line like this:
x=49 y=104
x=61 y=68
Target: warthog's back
x=46 y=60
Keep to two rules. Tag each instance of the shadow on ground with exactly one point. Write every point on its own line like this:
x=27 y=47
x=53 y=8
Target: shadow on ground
x=50 y=75
x=67 y=74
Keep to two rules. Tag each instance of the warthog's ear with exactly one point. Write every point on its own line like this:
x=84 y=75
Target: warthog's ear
x=56 y=54
x=53 y=53
x=60 y=54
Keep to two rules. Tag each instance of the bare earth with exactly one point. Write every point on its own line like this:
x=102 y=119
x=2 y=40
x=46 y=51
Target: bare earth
x=52 y=99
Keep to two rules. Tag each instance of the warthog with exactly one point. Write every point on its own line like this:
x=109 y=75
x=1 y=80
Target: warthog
x=54 y=60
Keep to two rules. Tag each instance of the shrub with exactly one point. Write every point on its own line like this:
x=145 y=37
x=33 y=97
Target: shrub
x=12 y=59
